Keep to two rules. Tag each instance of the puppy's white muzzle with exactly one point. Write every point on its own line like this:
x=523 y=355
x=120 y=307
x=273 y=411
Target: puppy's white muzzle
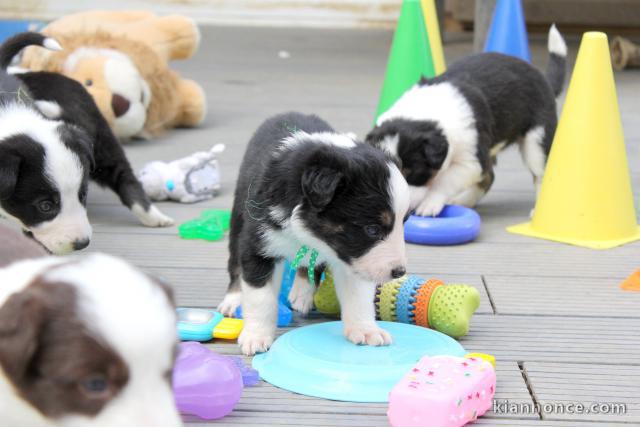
x=66 y=233
x=386 y=261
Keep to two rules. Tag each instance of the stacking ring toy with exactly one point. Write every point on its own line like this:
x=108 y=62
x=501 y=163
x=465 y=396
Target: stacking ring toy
x=454 y=225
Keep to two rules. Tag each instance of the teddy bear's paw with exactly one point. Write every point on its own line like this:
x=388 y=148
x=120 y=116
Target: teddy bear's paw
x=194 y=105
x=152 y=217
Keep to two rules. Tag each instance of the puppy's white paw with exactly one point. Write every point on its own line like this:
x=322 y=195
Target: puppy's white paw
x=230 y=303
x=431 y=206
x=255 y=340
x=369 y=334
x=301 y=295
x=153 y=217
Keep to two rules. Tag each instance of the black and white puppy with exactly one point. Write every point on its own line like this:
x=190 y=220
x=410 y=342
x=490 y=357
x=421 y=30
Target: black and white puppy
x=84 y=342
x=447 y=131
x=52 y=140
x=301 y=183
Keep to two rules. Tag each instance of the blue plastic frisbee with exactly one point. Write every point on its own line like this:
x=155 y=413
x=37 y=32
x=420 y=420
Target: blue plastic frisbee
x=454 y=225
x=318 y=361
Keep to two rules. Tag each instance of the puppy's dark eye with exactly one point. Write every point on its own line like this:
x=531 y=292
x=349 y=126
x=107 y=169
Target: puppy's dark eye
x=95 y=386
x=88 y=82
x=45 y=206
x=373 y=231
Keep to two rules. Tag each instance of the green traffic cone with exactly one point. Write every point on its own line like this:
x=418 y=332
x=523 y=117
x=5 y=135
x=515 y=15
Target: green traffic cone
x=410 y=56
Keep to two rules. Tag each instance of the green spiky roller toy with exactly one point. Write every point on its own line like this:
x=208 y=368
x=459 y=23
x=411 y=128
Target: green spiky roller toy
x=411 y=299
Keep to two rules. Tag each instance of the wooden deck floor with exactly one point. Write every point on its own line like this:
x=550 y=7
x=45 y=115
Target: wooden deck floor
x=553 y=315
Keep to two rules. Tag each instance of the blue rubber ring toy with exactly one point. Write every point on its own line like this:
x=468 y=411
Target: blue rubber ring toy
x=454 y=225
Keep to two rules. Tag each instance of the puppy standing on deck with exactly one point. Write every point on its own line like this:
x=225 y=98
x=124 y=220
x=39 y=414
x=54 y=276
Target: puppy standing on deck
x=52 y=140
x=301 y=183
x=448 y=130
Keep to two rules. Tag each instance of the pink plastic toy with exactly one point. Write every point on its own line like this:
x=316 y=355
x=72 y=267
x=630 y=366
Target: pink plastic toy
x=205 y=384
x=442 y=391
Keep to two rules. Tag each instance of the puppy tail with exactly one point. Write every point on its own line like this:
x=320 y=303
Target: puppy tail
x=15 y=44
x=556 y=69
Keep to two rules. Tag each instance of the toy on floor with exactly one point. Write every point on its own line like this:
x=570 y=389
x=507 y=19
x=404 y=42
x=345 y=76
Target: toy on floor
x=207 y=384
x=411 y=299
x=442 y=391
x=285 y=314
x=187 y=180
x=317 y=360
x=632 y=283
x=122 y=59
x=624 y=53
x=453 y=226
x=198 y=324
x=250 y=376
x=211 y=225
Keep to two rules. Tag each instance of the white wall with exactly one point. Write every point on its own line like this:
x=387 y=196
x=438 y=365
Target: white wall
x=324 y=13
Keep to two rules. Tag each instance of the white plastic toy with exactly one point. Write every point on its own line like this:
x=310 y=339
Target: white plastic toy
x=187 y=180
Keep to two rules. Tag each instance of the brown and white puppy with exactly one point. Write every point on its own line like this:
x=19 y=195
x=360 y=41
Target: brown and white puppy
x=85 y=341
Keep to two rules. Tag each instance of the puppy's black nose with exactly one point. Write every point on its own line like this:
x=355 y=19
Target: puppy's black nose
x=398 y=272
x=119 y=104
x=80 y=244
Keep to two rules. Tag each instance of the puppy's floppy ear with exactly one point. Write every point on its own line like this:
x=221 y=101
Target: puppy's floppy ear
x=378 y=133
x=436 y=148
x=433 y=142
x=319 y=184
x=9 y=169
x=21 y=320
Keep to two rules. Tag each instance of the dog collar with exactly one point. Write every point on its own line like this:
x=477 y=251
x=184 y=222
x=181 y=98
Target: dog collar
x=311 y=271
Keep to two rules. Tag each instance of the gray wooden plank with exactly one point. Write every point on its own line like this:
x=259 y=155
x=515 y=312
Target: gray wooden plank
x=557 y=384
x=556 y=339
x=557 y=259
x=562 y=296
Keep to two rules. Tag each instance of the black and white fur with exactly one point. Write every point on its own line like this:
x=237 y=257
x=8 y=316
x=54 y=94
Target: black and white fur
x=301 y=183
x=447 y=131
x=85 y=342
x=52 y=140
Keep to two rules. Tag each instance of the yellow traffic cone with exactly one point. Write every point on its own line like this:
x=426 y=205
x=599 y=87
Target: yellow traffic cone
x=433 y=34
x=586 y=197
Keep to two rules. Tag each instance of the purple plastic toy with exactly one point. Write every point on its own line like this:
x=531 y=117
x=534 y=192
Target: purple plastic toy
x=205 y=384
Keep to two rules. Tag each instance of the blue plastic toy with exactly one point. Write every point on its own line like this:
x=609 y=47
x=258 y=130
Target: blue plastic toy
x=198 y=324
x=285 y=315
x=317 y=360
x=508 y=31
x=454 y=225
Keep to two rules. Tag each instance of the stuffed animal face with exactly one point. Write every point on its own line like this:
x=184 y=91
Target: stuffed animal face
x=120 y=92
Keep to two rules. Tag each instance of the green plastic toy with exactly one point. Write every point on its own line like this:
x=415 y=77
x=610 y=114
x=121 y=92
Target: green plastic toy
x=211 y=225
x=411 y=299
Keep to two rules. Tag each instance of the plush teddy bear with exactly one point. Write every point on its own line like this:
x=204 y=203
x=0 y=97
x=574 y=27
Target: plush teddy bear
x=187 y=180
x=122 y=59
